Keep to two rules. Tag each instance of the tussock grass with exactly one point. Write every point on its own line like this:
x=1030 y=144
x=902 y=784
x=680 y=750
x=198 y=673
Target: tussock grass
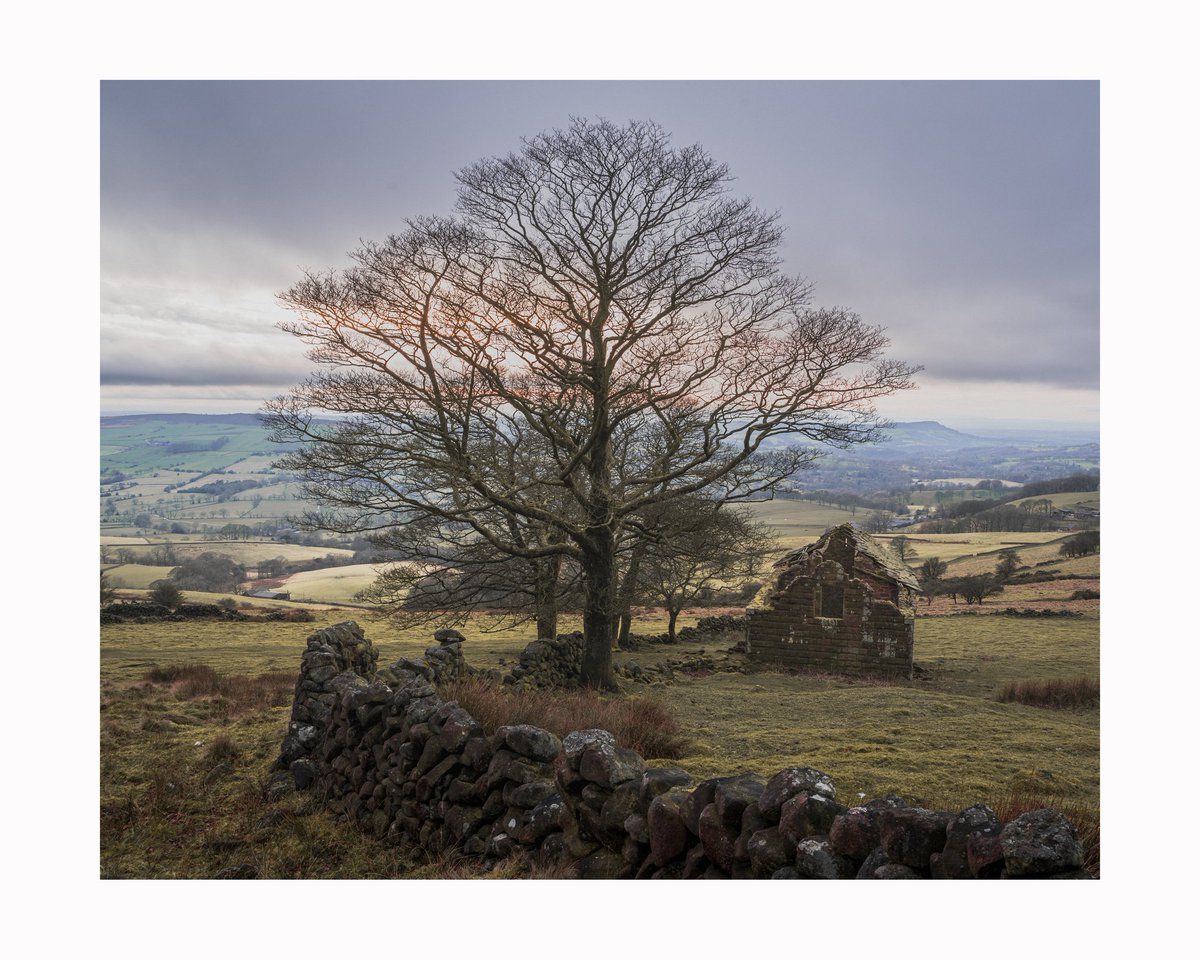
x=638 y=723
x=1071 y=693
x=222 y=748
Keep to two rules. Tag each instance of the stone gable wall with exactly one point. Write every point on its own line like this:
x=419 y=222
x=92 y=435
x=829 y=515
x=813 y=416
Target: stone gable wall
x=872 y=636
x=386 y=750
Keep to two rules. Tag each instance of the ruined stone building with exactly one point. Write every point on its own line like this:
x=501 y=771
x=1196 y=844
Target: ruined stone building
x=845 y=603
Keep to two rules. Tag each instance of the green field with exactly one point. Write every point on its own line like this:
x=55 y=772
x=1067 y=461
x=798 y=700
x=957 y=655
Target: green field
x=800 y=522
x=930 y=498
x=139 y=446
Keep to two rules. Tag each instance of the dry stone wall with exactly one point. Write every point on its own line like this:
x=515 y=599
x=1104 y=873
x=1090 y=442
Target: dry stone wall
x=549 y=663
x=386 y=750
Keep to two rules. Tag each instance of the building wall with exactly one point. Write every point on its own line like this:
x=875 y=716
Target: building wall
x=872 y=636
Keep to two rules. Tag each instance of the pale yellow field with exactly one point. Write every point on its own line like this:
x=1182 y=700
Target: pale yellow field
x=1030 y=556
x=137 y=575
x=799 y=522
x=334 y=584
x=954 y=546
x=241 y=551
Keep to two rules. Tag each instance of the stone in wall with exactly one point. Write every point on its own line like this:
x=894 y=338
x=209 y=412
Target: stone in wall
x=549 y=663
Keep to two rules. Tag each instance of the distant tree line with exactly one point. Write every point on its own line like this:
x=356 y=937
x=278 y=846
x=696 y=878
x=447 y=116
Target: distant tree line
x=895 y=502
x=225 y=489
x=190 y=446
x=1081 y=544
x=1075 y=483
x=209 y=572
x=1003 y=516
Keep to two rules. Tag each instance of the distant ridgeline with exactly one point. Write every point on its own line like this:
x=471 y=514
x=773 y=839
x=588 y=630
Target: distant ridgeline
x=908 y=450
x=931 y=450
x=383 y=747
x=202 y=419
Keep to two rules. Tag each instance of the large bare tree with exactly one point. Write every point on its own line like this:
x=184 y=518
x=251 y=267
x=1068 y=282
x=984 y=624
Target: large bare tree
x=602 y=292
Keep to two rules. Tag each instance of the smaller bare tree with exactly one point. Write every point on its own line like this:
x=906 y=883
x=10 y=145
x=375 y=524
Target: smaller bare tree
x=704 y=546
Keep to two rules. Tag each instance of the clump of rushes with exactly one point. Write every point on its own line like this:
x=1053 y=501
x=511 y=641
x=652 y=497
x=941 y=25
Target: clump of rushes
x=1058 y=694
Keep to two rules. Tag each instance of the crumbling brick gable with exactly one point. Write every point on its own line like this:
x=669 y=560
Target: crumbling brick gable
x=842 y=604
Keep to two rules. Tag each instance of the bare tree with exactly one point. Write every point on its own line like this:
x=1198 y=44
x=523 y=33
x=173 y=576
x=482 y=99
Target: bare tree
x=166 y=592
x=598 y=288
x=930 y=575
x=703 y=546
x=877 y=522
x=448 y=573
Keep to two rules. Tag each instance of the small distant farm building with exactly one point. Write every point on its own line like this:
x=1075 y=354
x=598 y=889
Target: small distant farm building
x=269 y=594
x=845 y=603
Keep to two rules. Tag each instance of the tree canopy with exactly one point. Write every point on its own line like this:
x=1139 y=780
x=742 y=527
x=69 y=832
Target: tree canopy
x=601 y=329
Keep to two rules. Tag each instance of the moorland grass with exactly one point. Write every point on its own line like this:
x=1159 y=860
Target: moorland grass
x=944 y=742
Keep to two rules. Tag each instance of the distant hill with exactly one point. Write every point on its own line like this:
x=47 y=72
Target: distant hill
x=199 y=419
x=139 y=444
x=931 y=435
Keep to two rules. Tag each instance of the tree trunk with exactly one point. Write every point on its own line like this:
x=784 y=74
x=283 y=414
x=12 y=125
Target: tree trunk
x=600 y=547
x=672 y=616
x=623 y=630
x=627 y=591
x=546 y=597
x=599 y=611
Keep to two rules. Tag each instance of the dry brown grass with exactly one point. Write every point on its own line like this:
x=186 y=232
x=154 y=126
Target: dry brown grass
x=1071 y=693
x=638 y=723
x=231 y=695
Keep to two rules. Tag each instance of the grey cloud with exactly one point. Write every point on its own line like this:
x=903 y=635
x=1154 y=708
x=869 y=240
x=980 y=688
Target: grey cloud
x=180 y=369
x=964 y=217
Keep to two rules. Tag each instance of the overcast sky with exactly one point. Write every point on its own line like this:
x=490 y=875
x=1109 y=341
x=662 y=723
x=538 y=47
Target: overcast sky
x=962 y=216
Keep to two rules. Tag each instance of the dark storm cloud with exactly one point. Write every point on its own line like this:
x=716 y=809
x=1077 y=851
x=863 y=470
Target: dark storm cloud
x=964 y=217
